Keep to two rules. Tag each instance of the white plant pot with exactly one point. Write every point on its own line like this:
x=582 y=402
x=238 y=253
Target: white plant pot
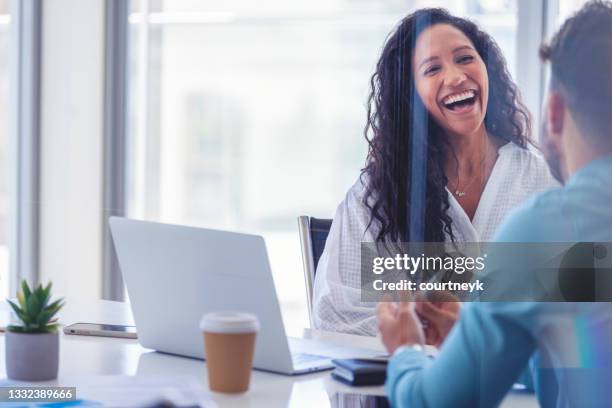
x=32 y=356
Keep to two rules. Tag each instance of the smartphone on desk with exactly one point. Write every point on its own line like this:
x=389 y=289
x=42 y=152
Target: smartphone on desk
x=102 y=330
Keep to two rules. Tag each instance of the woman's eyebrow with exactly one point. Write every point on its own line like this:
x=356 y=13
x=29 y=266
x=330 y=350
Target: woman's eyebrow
x=463 y=47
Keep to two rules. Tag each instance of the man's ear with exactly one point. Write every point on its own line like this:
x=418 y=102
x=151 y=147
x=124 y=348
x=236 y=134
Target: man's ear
x=555 y=114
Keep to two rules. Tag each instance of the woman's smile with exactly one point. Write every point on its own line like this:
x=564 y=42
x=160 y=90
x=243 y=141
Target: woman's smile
x=460 y=103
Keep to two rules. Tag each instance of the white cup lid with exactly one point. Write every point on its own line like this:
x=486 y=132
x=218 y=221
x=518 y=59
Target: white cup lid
x=229 y=322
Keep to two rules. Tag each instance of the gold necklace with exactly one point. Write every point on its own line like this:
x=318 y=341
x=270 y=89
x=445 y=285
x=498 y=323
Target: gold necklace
x=461 y=193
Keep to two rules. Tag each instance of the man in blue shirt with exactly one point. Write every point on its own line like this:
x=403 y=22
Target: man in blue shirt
x=492 y=342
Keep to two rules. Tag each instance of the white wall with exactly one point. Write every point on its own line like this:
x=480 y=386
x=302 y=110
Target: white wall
x=71 y=146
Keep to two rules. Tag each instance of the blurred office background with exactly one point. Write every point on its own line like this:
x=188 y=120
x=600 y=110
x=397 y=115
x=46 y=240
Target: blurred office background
x=236 y=115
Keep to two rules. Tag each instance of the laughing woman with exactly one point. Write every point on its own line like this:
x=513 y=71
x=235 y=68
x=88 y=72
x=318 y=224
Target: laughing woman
x=479 y=163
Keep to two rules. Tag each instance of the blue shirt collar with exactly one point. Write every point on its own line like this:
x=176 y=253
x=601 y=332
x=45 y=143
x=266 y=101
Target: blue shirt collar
x=598 y=168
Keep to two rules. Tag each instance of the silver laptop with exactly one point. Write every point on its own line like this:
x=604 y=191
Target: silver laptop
x=174 y=274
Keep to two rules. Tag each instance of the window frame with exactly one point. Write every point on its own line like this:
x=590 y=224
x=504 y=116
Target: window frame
x=115 y=157
x=24 y=140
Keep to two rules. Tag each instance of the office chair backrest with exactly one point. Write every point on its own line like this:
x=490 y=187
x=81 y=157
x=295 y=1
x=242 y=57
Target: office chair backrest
x=313 y=235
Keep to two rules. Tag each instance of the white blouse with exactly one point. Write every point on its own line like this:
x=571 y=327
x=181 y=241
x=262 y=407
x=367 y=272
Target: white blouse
x=517 y=174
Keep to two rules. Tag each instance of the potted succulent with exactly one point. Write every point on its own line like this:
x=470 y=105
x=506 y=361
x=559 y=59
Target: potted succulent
x=32 y=347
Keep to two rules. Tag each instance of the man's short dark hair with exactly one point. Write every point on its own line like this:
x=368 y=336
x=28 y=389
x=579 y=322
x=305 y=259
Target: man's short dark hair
x=580 y=55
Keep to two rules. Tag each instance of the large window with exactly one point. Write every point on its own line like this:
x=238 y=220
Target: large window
x=5 y=157
x=244 y=115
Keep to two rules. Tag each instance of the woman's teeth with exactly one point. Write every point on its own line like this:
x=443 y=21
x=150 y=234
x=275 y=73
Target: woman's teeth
x=451 y=99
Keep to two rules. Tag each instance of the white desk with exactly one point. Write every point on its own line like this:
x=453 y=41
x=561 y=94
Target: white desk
x=82 y=357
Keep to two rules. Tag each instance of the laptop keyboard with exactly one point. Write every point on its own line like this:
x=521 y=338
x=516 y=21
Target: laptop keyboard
x=301 y=358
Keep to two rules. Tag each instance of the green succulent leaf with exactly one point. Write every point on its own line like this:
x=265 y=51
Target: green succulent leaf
x=44 y=317
x=46 y=295
x=33 y=307
x=21 y=300
x=15 y=308
x=17 y=311
x=47 y=315
x=57 y=305
x=25 y=289
x=38 y=293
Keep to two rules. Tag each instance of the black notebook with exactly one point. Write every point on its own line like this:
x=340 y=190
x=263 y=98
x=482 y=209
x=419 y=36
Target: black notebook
x=356 y=371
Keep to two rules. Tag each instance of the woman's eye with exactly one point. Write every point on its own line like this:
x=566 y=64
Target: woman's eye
x=432 y=70
x=465 y=59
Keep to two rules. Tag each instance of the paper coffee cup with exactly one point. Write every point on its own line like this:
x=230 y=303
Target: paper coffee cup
x=229 y=344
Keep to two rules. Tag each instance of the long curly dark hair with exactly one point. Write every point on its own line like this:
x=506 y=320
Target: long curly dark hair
x=398 y=123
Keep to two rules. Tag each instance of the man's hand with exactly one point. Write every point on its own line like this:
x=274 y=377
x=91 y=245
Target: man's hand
x=399 y=325
x=440 y=317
